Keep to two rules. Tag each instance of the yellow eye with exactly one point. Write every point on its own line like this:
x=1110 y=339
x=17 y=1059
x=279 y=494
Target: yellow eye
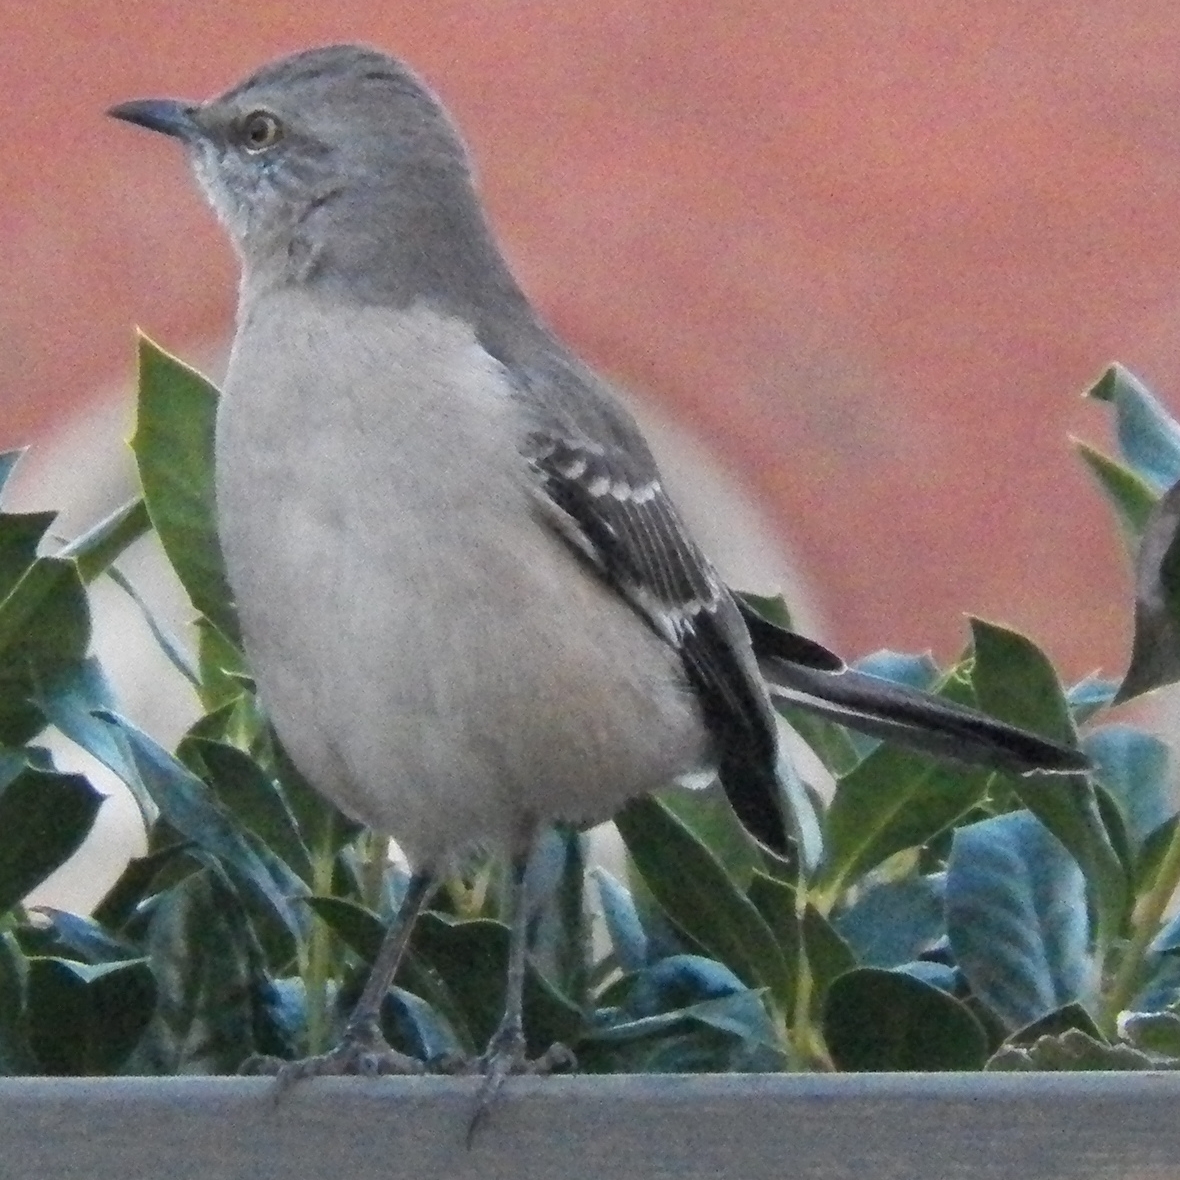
x=259 y=131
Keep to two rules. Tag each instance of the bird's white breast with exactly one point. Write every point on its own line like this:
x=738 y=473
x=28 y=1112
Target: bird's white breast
x=433 y=657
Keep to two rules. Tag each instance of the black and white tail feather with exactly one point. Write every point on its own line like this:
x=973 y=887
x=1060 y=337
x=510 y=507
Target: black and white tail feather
x=608 y=503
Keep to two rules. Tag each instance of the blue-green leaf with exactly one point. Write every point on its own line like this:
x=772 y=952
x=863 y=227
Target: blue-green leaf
x=1148 y=435
x=1017 y=918
x=895 y=921
x=8 y=460
x=1089 y=697
x=1134 y=767
x=628 y=938
x=70 y=699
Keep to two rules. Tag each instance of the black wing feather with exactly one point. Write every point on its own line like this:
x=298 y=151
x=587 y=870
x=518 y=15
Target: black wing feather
x=619 y=517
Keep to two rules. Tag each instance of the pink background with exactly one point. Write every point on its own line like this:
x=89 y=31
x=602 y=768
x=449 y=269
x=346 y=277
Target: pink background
x=871 y=253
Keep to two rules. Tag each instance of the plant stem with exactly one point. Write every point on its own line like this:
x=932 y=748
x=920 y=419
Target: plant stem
x=99 y=546
x=1149 y=913
x=376 y=861
x=319 y=951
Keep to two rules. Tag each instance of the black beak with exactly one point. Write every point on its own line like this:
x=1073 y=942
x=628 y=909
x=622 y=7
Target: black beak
x=166 y=115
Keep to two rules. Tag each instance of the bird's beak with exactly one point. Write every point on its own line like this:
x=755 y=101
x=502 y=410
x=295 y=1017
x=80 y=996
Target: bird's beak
x=166 y=115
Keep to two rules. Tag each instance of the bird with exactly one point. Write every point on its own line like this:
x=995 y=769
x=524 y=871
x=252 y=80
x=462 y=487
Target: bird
x=469 y=604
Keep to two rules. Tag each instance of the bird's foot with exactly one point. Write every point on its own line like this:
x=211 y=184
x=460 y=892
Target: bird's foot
x=362 y=1051
x=507 y=1054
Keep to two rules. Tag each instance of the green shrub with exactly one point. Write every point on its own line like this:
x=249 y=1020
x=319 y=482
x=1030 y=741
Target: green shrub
x=935 y=917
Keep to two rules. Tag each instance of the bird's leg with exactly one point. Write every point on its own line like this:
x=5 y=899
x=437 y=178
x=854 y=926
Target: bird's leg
x=362 y=1048
x=507 y=1051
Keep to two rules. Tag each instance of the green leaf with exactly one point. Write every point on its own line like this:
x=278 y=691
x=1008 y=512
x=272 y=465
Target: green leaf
x=1157 y=1033
x=1017 y=919
x=321 y=823
x=1015 y=681
x=1152 y=853
x=772 y=607
x=555 y=891
x=44 y=618
x=1148 y=436
x=44 y=817
x=1131 y=497
x=86 y=1019
x=460 y=967
x=211 y=988
x=173 y=445
x=167 y=643
x=44 y=627
x=832 y=744
x=20 y=534
x=694 y=890
x=1060 y=1020
x=190 y=808
x=471 y=959
x=246 y=791
x=221 y=666
x=1071 y=1050
x=1068 y=805
x=709 y=816
x=778 y=904
x=96 y=550
x=136 y=882
x=16 y=1057
x=1155 y=647
x=360 y=929
x=828 y=956
x=878 y=1020
x=895 y=799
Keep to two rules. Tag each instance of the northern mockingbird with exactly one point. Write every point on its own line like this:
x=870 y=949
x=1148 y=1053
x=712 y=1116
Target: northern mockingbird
x=470 y=606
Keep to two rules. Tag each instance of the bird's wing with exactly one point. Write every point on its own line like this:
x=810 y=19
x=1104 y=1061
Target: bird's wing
x=609 y=505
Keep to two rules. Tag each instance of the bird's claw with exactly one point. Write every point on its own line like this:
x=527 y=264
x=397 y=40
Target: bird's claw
x=507 y=1055
x=362 y=1052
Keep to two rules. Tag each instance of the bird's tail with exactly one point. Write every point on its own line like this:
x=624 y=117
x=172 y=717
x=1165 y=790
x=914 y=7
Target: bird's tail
x=896 y=712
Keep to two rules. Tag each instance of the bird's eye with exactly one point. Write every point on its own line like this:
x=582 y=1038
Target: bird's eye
x=259 y=131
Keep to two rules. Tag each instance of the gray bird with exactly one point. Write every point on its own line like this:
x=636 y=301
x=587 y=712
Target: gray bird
x=470 y=607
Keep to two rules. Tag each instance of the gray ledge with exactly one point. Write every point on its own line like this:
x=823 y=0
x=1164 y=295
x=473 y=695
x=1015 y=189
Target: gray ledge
x=791 y=1127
